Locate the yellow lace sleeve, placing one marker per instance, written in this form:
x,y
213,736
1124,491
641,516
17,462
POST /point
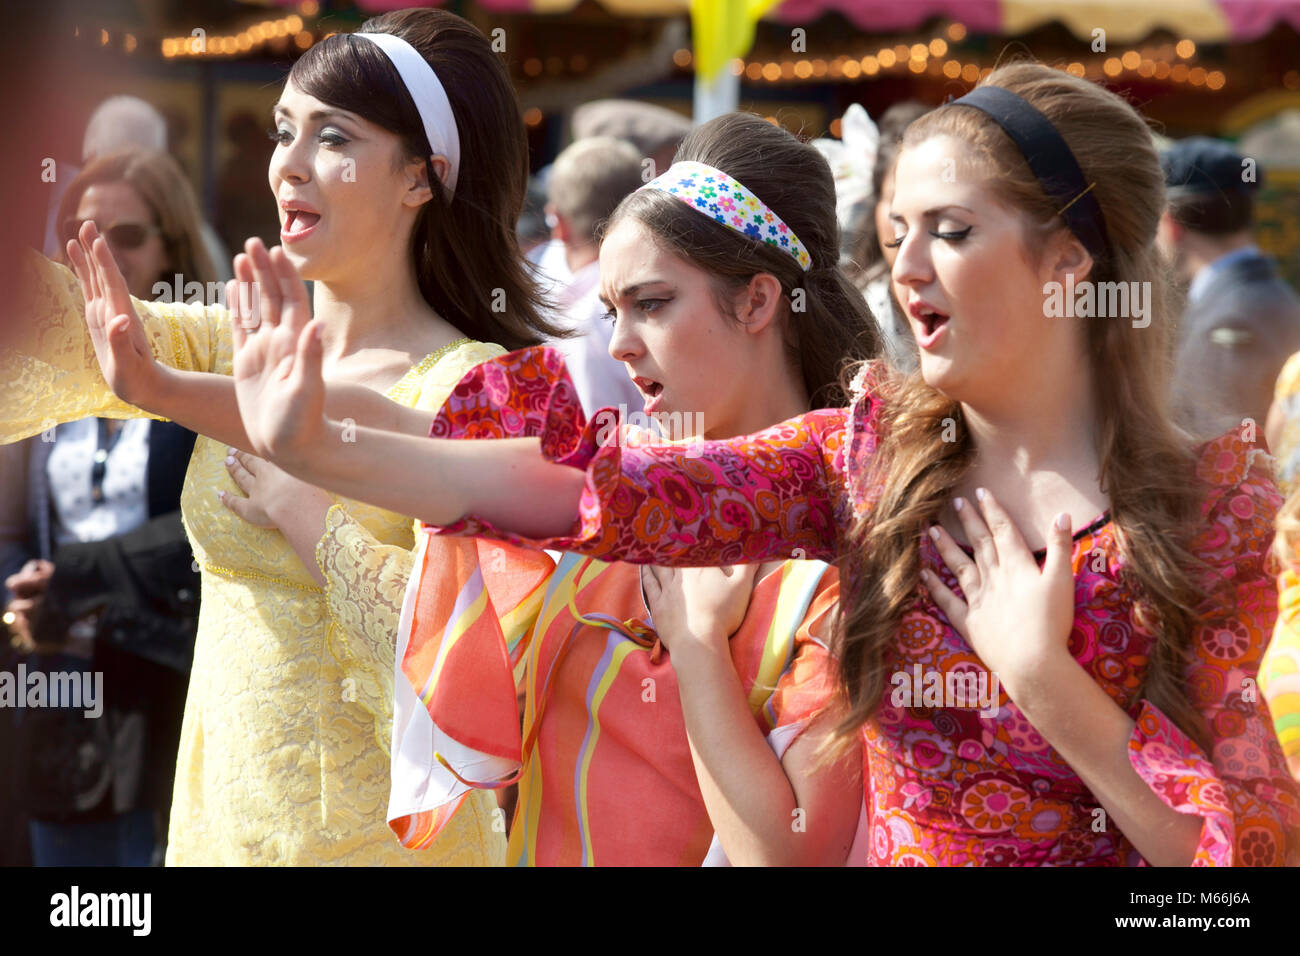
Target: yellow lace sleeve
x,y
365,578
49,374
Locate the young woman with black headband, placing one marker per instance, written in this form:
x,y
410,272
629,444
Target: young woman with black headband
x,y
1124,724
399,170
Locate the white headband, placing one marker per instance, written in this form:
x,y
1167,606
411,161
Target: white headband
x,y
430,98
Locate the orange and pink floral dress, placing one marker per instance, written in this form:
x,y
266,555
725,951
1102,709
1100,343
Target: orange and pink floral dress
x,y
948,785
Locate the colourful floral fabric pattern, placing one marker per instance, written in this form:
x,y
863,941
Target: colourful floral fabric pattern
x,y
603,728
949,785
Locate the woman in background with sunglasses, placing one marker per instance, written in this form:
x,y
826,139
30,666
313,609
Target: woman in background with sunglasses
x,y
399,172
133,470
142,204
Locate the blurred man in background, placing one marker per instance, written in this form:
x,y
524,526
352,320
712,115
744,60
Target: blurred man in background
x,y
654,132
1242,319
587,182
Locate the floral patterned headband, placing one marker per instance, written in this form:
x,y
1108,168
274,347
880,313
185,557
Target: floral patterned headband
x,y
725,200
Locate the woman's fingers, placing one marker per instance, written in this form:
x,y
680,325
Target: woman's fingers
x,y
88,236
249,306
310,357
1009,542
293,292
239,472
650,582
250,463
113,282
953,607
240,506
957,560
80,268
977,533
122,327
117,300
268,286
98,249
1059,566
23,605
237,333
25,587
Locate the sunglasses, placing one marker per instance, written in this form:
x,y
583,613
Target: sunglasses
x,y
120,235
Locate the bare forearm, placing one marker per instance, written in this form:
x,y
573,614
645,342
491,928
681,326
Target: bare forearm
x,y
751,802
200,401
1091,732
1273,426
506,482
348,403
205,403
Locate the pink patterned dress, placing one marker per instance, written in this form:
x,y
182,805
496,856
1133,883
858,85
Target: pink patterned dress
x,y
946,785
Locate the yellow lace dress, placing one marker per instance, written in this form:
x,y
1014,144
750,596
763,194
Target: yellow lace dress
x,y
1286,393
284,753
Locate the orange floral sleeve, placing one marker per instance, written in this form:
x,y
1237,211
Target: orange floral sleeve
x,y
1249,804
779,493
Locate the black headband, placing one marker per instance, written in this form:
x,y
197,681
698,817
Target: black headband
x,y
1049,159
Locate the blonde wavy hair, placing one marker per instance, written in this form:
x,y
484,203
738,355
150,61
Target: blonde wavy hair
x,y
1146,461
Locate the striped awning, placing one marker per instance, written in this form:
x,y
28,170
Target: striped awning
x,y
1204,21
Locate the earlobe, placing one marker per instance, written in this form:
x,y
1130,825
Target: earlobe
x,y
760,302
419,191
417,185
1073,259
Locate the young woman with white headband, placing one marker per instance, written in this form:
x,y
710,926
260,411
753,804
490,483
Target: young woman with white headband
x,y
1123,726
399,171
669,719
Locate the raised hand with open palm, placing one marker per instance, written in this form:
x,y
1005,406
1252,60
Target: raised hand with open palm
x,y
277,367
119,338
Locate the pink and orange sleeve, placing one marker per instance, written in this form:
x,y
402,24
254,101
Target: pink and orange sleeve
x,y
1249,804
779,493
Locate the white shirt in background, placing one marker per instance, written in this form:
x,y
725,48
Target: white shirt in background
x,y
600,380
550,265
125,503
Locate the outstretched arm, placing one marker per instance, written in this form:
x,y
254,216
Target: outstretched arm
x,y
507,483
282,399
200,401
779,493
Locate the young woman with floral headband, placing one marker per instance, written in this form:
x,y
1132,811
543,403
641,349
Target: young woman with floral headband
x,y
669,718
399,169
1126,728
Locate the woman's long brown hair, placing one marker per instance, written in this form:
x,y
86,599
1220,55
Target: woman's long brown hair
x,y
1146,463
